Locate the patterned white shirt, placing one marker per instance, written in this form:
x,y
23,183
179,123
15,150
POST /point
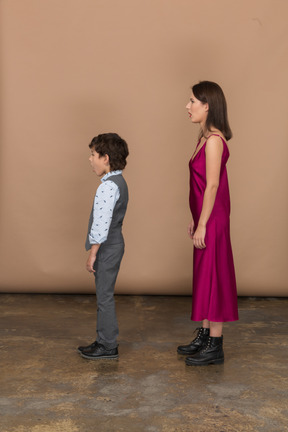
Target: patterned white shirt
x,y
105,199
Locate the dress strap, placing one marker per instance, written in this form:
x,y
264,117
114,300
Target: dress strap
x,y
215,135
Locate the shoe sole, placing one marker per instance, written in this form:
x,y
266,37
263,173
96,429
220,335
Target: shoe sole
x,y
218,361
110,357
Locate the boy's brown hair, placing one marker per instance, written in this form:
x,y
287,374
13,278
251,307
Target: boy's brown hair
x,y
112,145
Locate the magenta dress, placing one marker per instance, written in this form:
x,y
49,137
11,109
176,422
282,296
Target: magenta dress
x,y
214,283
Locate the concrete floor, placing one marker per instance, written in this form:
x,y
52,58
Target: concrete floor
x,y
46,386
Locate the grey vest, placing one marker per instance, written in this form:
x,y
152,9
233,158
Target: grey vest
x,y
115,231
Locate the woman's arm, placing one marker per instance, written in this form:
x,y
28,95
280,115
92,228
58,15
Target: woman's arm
x,y
191,229
213,152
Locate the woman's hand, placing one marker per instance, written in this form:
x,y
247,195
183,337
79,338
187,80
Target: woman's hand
x,y
199,237
191,229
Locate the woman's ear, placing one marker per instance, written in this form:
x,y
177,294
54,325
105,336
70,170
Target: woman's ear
x,y
206,107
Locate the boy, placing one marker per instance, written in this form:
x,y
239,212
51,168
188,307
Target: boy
x,y
105,240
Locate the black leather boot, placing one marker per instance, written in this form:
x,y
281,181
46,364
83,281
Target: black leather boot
x,y
211,353
196,344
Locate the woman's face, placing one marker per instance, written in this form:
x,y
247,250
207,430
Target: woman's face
x,y
197,110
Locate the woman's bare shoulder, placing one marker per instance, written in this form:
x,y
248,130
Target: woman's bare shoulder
x,y
214,143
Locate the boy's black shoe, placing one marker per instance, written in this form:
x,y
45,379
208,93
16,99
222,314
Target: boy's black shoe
x,y
99,352
212,353
80,349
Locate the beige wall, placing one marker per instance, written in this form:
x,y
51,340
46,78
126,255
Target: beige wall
x,y
72,69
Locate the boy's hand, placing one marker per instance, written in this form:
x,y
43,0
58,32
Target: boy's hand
x,y
90,264
92,258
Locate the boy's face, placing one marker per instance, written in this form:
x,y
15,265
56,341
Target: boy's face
x,y
99,164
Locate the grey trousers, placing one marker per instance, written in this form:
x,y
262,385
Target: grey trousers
x,y
106,268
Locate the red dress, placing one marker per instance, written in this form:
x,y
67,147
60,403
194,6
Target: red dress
x,y
214,283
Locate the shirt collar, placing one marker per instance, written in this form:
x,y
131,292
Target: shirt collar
x,y
111,173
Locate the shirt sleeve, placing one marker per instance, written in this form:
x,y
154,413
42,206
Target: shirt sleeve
x,y
104,202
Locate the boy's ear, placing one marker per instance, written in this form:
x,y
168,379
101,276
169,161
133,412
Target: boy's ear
x,y
106,159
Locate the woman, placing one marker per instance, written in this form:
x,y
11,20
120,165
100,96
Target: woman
x,y
214,283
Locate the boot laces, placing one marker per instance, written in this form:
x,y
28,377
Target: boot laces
x,y
208,345
200,331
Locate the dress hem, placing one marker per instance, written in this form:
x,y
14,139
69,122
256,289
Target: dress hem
x,y
216,320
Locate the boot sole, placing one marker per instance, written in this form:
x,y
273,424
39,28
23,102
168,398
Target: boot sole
x,y
217,361
187,353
